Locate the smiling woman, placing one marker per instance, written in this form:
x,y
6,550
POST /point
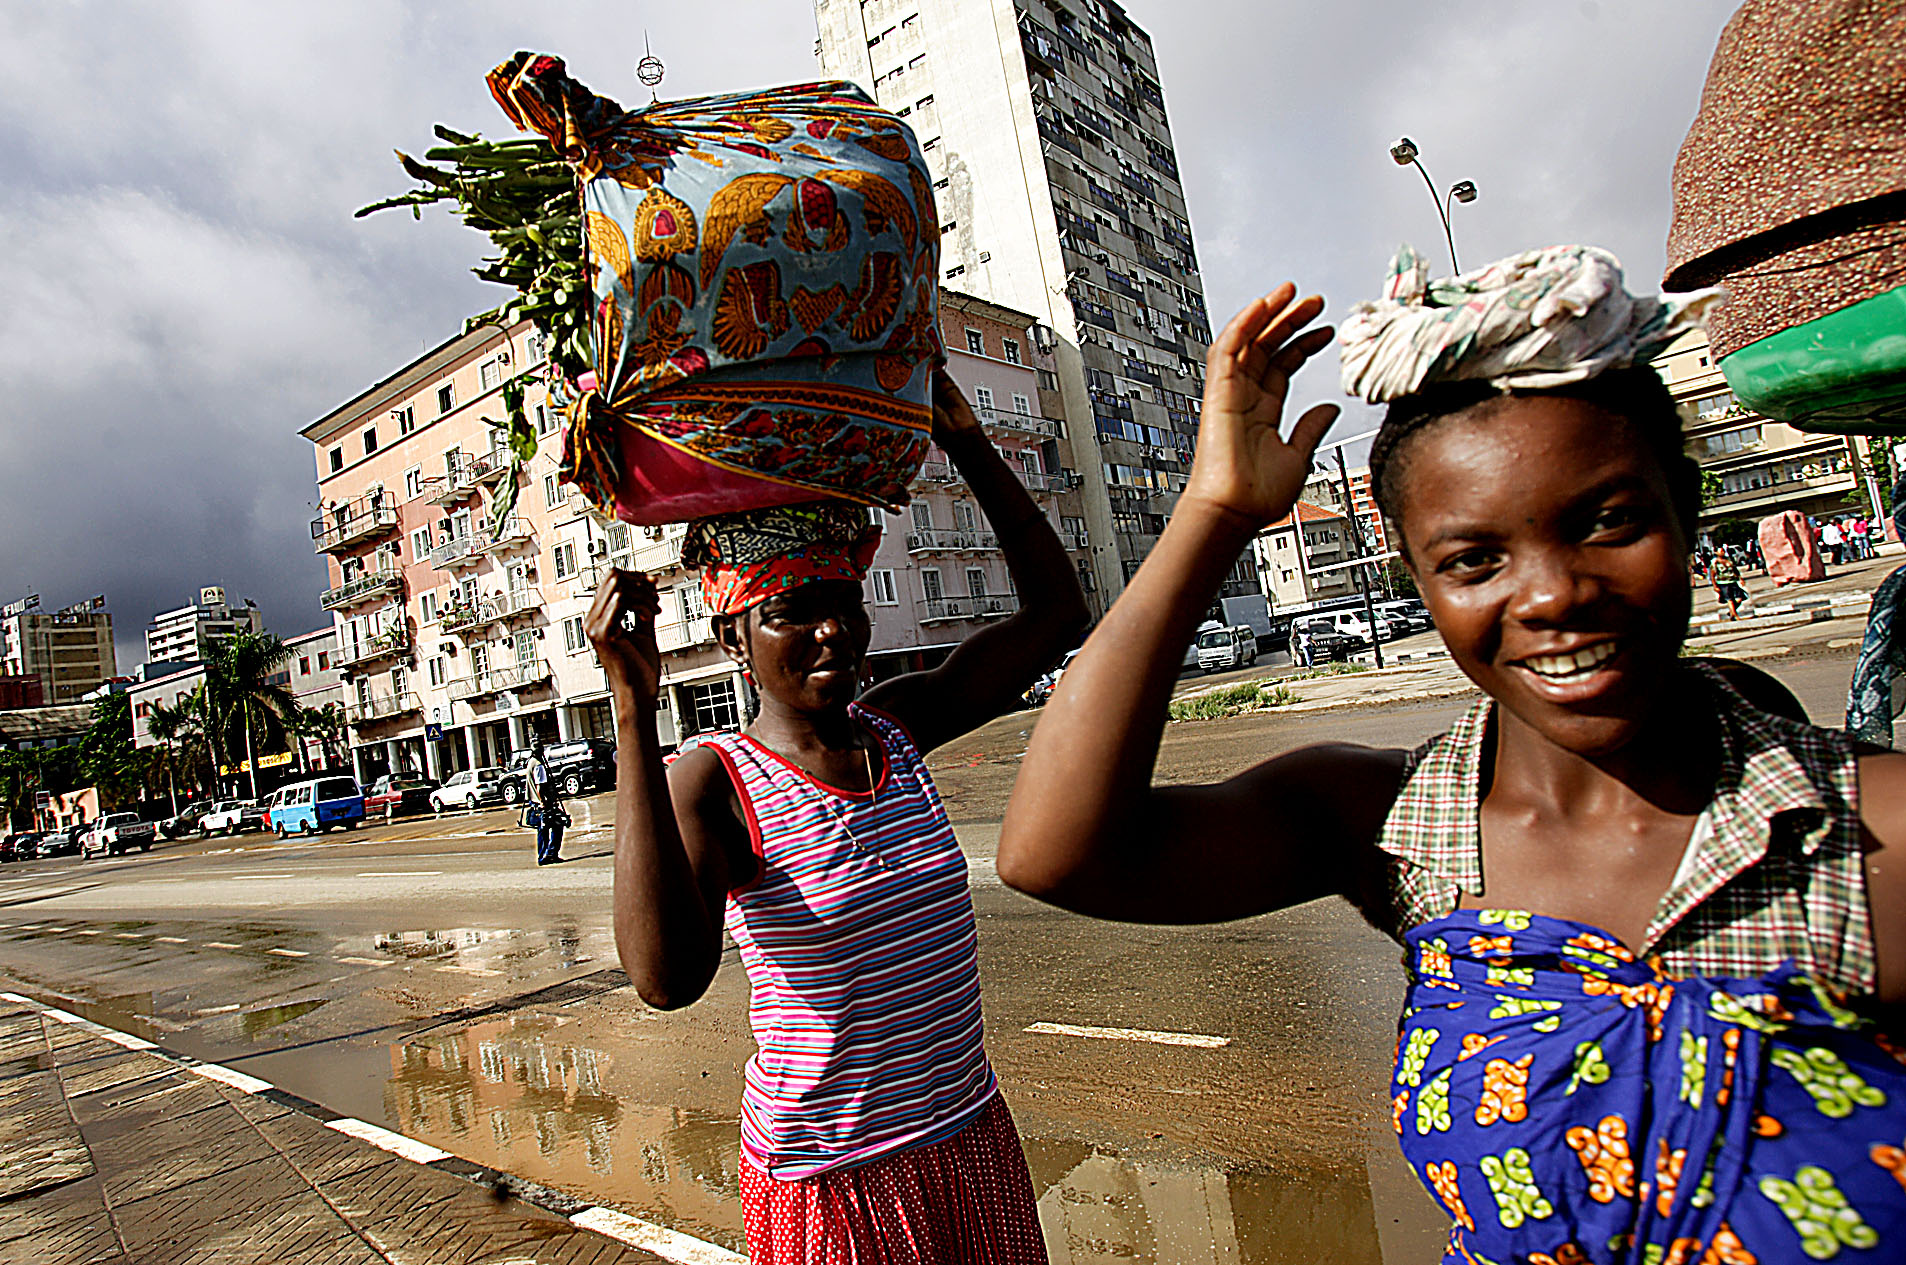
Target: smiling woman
x,y
1645,921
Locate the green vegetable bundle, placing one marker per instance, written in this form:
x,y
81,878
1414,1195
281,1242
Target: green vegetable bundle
x,y
524,196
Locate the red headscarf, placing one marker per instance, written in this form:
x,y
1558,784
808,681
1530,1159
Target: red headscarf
x,y
747,558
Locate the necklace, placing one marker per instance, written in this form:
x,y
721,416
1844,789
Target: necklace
x,y
873,794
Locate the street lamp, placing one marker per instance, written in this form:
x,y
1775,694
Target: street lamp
x,y
1404,154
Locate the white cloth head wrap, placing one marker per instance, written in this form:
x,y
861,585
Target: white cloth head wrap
x,y
1540,319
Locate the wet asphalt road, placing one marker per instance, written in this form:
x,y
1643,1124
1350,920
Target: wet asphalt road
x,y
429,975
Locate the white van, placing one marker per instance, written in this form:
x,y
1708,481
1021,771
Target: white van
x,y
1351,623
1220,649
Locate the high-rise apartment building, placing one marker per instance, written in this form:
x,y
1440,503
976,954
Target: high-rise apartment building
x,y
70,651
193,634
1043,122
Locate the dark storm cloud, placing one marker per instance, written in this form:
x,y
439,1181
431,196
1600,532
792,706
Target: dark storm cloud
x,y
184,286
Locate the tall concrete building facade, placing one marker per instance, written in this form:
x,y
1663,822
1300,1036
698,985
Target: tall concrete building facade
x,y
1044,124
69,651
193,634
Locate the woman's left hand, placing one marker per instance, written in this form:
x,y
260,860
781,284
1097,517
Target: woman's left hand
x,y
952,415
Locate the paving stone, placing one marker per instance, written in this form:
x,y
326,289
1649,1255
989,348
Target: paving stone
x,y
121,1068
393,1188
172,1223
65,1225
460,1233
126,1107
169,1153
322,1155
38,1144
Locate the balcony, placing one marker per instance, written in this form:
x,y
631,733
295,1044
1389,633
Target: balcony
x,y
457,619
1071,540
514,532
1018,423
1042,483
463,479
362,589
350,523
941,540
460,551
685,634
514,676
939,472
368,711
388,644
941,610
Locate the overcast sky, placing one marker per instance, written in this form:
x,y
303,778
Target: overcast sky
x,y
185,287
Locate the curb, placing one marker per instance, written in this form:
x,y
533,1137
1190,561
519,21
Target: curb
x,y
671,1245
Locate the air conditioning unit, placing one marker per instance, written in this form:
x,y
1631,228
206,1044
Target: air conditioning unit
x,y
598,548
653,533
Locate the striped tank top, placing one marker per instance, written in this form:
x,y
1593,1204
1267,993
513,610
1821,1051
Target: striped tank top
x,y
861,952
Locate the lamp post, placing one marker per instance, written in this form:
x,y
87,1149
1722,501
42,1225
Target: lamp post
x,y
1404,153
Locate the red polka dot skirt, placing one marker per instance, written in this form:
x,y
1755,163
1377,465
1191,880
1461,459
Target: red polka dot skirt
x,y
966,1199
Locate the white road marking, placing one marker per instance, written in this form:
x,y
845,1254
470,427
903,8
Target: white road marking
x,y
366,961
288,953
237,1080
219,1010
470,970
395,1143
129,935
219,944
1130,1034
402,874
671,1245
85,933
170,939
237,876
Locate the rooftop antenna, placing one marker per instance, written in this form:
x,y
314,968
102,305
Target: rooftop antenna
x,y
650,69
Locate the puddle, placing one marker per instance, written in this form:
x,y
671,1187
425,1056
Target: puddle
x,y
413,945
524,1095
265,1018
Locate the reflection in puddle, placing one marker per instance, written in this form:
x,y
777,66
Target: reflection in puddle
x,y
518,1095
524,1096
266,1017
430,944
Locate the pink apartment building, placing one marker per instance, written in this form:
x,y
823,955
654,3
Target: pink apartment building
x,y
458,642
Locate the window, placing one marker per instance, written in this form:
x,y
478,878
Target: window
x,y
545,420
370,440
406,419
975,582
552,494
884,594
618,534
565,559
420,544
922,516
446,397
713,706
413,482
1048,380
955,271
436,670
1022,405
964,519
975,342
397,682
324,660
304,666
1714,405
427,607
1012,350
983,397
931,142
535,343
573,639
948,227
930,583
917,62
337,460
490,373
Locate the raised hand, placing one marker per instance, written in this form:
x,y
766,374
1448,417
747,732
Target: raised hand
x,y
621,626
1244,466
952,415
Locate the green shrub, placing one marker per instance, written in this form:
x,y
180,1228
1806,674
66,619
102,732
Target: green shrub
x,y
1245,696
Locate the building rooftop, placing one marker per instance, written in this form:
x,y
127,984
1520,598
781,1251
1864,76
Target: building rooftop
x,y
31,726
1308,513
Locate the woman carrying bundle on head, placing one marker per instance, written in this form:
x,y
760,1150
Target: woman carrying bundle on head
x,y
872,1127
1648,926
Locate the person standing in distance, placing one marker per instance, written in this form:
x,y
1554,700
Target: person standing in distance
x,y
549,813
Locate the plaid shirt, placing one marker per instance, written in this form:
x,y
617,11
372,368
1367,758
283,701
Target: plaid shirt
x,y
1780,876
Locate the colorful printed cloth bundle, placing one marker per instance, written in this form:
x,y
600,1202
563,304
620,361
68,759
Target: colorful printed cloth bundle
x,y
747,558
1567,1104
1543,318
765,272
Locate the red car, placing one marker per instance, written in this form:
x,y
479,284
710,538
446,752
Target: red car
x,y
398,796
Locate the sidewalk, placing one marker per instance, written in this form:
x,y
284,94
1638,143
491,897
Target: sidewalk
x,y
113,1151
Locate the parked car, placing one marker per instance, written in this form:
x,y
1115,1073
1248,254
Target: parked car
x,y
1220,649
579,767
118,833
472,788
1325,641
10,846
315,806
1406,615
62,842
29,845
1351,622
186,821
398,796
229,816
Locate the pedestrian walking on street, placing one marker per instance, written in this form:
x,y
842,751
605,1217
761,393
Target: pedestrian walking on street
x,y
550,817
1641,915
1833,540
873,1129
1725,575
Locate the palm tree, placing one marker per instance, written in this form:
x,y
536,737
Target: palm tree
x,y
326,725
242,693
180,731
